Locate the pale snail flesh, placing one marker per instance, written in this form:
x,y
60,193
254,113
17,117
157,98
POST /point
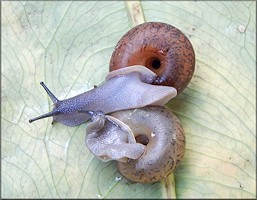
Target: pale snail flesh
x,y
110,139
123,89
160,142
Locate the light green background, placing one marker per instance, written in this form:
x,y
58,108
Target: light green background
x,y
68,46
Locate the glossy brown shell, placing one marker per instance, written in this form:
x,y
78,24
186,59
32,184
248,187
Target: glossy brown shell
x,y
160,47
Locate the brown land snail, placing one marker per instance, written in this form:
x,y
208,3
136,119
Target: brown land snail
x,y
128,121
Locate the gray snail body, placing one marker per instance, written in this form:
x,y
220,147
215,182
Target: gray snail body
x,y
123,89
160,142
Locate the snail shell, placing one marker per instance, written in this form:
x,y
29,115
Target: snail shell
x,y
160,47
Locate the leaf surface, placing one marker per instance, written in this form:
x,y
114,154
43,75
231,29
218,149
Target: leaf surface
x,y
68,45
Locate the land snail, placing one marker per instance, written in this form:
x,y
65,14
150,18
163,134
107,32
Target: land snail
x,y
129,122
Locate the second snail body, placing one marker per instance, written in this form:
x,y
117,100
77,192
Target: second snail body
x,y
156,151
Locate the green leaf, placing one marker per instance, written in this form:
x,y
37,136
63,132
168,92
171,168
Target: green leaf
x,y
68,45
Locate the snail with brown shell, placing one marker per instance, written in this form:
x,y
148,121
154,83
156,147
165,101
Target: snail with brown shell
x,y
128,120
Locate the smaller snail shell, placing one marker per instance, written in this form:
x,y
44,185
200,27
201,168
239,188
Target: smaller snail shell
x,y
165,148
